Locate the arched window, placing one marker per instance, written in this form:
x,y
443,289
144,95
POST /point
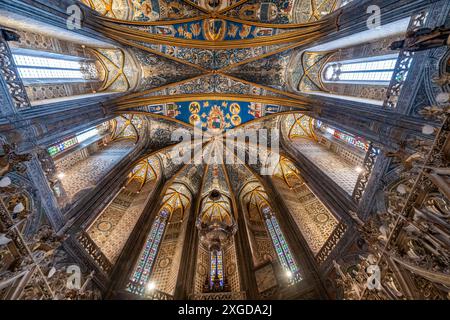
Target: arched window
x,y
39,68
281,246
140,279
372,71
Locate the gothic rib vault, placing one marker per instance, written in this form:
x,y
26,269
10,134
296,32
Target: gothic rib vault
x,y
266,216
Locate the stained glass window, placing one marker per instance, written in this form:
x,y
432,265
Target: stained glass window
x,y
216,267
61,146
142,272
281,246
66,144
352,140
377,71
38,67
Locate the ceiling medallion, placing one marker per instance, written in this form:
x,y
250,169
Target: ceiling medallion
x,y
214,29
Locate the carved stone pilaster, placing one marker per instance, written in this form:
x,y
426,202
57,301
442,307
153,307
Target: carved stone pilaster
x,y
186,273
37,176
364,176
10,75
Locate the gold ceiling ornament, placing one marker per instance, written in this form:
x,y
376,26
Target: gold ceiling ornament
x,y
286,170
319,8
131,96
214,11
98,5
278,26
177,197
267,88
301,126
110,16
262,56
155,23
255,195
144,172
158,116
126,127
234,5
114,71
312,64
216,210
255,121
196,6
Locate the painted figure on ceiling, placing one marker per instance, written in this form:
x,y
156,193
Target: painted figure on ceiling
x,y
255,109
173,110
216,118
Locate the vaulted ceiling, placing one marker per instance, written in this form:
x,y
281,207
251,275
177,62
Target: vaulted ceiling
x,y
216,65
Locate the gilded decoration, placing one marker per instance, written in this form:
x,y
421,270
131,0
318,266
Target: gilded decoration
x,y
142,10
308,78
152,72
119,69
213,115
113,226
126,127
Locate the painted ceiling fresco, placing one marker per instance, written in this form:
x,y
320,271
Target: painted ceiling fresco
x,y
269,71
267,11
212,59
283,11
274,11
217,65
214,115
308,76
211,29
213,83
143,10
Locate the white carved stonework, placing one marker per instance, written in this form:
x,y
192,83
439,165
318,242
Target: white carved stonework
x,y
313,219
82,170
114,225
339,170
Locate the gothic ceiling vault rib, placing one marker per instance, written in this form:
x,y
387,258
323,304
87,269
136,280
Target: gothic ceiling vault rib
x,y
224,149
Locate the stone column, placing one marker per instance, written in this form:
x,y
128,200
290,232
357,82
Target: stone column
x,y
186,273
245,259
